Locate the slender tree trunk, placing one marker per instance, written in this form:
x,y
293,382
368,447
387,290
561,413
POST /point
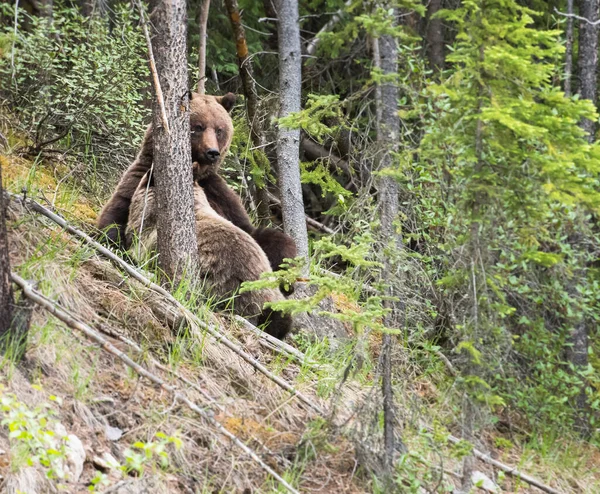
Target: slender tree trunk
x,y
569,50
6,292
385,54
288,140
588,59
202,23
176,228
435,36
251,96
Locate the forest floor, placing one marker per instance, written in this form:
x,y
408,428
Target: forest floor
x,y
123,434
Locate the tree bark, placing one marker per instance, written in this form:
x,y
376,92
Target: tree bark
x,y
435,37
176,228
251,96
588,59
202,23
385,54
288,140
569,50
6,292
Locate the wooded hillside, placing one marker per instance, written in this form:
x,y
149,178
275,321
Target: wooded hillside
x,y
437,167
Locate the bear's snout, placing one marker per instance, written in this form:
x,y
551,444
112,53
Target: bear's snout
x,y
212,155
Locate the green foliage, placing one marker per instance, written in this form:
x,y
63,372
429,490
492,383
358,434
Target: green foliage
x,y
33,436
79,85
150,453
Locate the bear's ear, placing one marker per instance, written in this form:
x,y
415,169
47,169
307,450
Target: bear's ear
x,y
192,95
227,101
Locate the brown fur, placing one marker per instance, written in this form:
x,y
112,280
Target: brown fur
x,y
227,255
211,128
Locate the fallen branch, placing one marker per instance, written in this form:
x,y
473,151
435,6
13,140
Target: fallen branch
x,y
195,323
135,347
93,335
159,94
513,472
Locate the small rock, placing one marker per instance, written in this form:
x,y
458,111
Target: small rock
x,y
105,462
75,457
484,482
112,433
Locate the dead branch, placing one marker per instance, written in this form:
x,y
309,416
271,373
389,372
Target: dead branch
x,y
309,221
578,17
335,18
135,347
251,95
196,325
93,335
314,151
513,472
157,87
202,22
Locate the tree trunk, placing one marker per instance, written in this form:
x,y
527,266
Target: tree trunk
x,y
288,140
435,37
6,293
176,227
588,59
385,54
251,96
569,49
202,23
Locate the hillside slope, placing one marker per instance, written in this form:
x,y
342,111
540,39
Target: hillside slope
x,y
93,423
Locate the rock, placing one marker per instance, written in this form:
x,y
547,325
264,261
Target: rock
x,y
319,326
75,457
112,433
105,462
482,481
75,453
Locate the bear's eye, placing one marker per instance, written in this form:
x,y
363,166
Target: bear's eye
x,y
197,128
219,132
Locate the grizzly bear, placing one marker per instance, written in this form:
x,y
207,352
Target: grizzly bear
x,y
211,133
227,256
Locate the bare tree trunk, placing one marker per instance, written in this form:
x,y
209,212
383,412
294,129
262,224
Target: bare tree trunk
x,y
202,23
288,140
176,228
569,49
435,36
6,292
385,54
251,96
588,59
577,355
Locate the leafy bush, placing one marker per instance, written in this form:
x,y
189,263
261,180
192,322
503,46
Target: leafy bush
x,y
78,84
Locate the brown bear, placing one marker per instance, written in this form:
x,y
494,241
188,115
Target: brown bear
x,y
211,133
227,256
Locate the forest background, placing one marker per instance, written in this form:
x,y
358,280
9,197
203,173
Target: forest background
x,y
485,280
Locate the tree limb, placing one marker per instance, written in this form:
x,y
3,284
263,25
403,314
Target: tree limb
x,y
578,17
93,335
202,22
157,87
195,323
513,472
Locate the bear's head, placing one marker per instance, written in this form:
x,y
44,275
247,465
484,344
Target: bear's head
x,y
211,131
